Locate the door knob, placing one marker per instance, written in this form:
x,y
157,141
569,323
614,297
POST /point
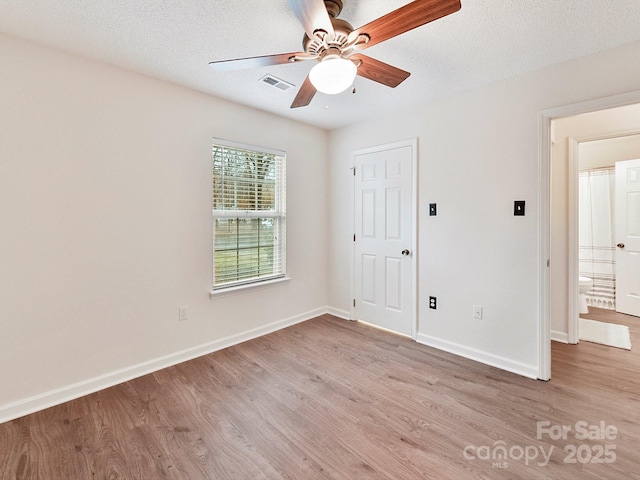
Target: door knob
x,y
406,252
620,245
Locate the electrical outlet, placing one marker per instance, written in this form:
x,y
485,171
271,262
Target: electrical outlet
x,y
477,312
432,303
183,313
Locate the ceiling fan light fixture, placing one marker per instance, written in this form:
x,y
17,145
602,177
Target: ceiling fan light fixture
x,y
333,74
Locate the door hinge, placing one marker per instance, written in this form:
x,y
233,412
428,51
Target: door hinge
x,y
354,171
354,302
354,237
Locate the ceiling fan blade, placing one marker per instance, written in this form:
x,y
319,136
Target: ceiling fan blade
x,y
379,71
305,94
313,16
408,17
253,62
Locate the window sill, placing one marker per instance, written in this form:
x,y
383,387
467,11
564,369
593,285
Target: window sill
x,y
225,292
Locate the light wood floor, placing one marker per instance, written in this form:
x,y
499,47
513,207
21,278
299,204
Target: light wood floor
x,y
611,316
331,399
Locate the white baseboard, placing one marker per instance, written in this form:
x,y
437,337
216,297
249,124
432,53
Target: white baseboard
x,y
519,368
558,336
339,313
57,396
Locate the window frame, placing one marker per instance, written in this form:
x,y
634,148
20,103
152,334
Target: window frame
x,y
279,212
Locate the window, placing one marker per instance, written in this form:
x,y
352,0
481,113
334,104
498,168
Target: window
x,y
248,214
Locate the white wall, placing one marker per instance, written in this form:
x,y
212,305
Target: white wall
x,y
610,122
478,152
605,153
104,210
105,214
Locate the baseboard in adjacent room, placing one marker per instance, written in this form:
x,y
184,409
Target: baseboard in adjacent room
x,y
558,336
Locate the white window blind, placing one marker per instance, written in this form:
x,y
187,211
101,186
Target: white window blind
x,y
248,214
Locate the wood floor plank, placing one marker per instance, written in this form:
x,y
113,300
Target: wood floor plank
x,y
15,449
332,399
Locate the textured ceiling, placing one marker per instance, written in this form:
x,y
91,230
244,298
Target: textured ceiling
x,y
486,41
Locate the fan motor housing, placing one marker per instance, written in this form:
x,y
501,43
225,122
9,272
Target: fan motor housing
x,y
334,7
316,45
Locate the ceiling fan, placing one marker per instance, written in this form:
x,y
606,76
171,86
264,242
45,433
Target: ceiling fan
x,y
335,44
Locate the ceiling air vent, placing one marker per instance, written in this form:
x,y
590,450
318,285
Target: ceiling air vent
x,y
276,82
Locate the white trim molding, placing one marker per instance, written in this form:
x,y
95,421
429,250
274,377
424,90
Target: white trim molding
x,y
60,395
529,371
336,312
544,246
247,287
558,336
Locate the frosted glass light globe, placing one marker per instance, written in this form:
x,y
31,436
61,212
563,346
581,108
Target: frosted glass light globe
x,y
333,75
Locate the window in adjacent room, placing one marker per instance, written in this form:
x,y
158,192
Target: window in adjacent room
x,y
248,215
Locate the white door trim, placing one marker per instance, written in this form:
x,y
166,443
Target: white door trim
x,y
413,143
544,219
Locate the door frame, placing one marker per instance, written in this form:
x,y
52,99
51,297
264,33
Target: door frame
x,y
413,143
545,119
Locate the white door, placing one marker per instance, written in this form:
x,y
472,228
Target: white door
x,y
627,220
384,258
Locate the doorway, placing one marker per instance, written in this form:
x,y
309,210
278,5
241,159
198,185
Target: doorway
x,y
558,283
592,159
591,246
384,224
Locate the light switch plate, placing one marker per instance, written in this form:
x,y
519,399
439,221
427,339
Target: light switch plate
x,y
518,208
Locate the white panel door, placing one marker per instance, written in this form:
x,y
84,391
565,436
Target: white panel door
x,y
627,219
383,248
